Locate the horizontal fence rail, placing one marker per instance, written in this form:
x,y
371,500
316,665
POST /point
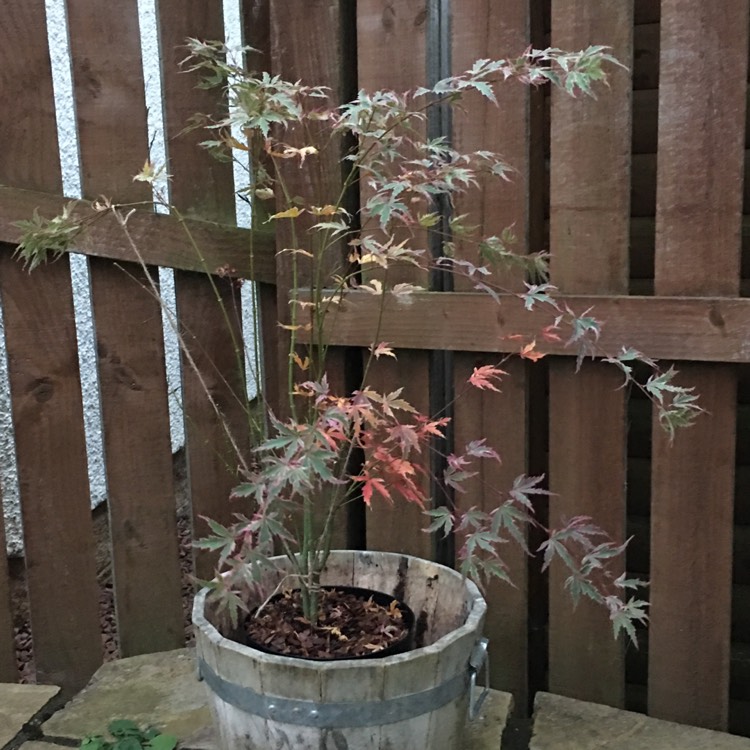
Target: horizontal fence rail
x,y
641,197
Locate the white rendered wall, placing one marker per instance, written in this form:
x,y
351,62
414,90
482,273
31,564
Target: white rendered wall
x,y
69,159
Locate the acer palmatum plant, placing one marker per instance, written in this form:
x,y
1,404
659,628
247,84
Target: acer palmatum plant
x,y
328,449
304,464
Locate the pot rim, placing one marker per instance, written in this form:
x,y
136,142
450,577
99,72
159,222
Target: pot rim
x,y
477,610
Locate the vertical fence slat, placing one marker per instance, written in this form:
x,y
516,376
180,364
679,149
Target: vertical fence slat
x,y
45,385
483,29
399,528
702,105
257,33
392,54
293,24
113,136
589,233
8,668
203,187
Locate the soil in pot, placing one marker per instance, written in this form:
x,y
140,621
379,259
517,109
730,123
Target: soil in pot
x,y
354,624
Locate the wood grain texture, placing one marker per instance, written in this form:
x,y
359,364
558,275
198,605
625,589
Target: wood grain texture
x,y
646,11
202,186
292,26
589,224
140,484
53,480
214,398
392,54
399,529
320,182
113,137
256,24
483,29
216,410
502,420
223,248
8,669
698,220
28,130
110,103
707,329
45,387
444,601
587,476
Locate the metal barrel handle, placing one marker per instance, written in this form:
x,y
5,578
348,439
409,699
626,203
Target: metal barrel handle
x,y
477,660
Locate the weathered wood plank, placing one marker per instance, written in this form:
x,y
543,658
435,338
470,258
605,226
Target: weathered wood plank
x,y
482,30
202,186
257,30
587,476
645,121
140,484
45,387
113,137
646,11
8,668
699,205
710,329
214,398
401,29
643,185
330,64
27,92
589,223
223,248
51,450
399,529
217,413
502,420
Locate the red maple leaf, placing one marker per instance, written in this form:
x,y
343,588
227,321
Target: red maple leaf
x,y
483,376
370,484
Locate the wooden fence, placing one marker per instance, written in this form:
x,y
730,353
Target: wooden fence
x,y
639,195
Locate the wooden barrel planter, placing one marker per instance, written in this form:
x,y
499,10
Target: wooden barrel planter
x,y
418,699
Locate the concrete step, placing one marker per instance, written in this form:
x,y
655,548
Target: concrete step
x,y
20,707
162,690
159,690
567,724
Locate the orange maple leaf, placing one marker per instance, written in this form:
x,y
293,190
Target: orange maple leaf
x,y
530,352
372,483
483,376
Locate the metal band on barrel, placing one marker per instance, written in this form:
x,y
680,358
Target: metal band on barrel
x,y
335,715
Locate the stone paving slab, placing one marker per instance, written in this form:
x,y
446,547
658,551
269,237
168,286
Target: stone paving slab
x,y
567,724
159,690
19,704
42,746
162,690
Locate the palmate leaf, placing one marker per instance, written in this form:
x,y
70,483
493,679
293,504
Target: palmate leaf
x,y
511,519
538,294
624,616
523,486
442,520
